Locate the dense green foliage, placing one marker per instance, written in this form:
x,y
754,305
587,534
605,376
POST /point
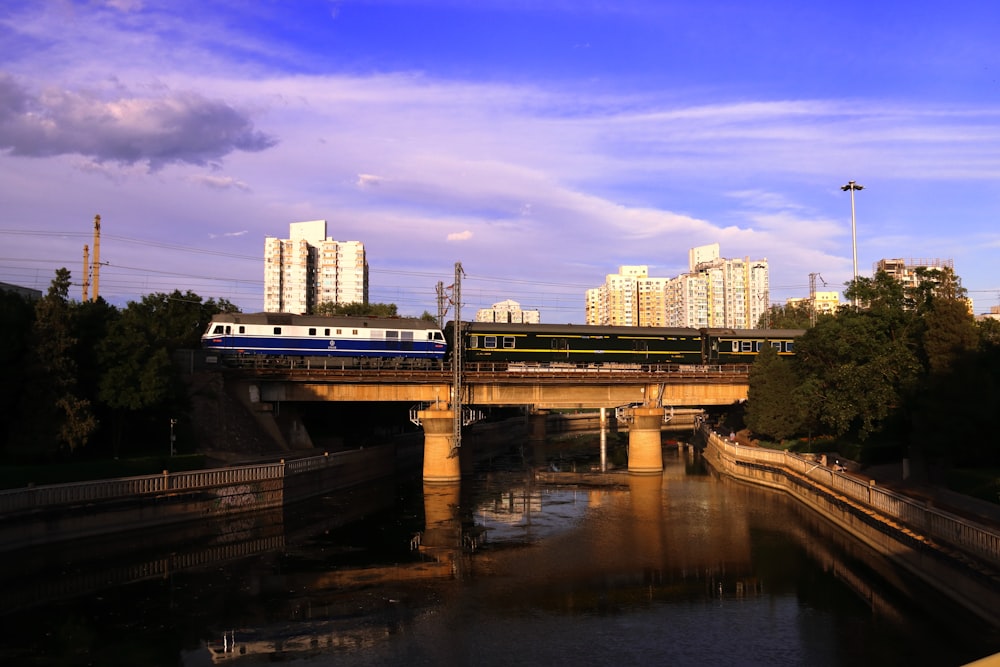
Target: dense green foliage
x,y
82,379
358,309
911,366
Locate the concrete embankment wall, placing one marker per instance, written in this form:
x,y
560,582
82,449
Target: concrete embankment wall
x,y
48,514
957,557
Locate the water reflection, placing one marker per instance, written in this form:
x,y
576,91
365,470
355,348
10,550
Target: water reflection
x,y
681,568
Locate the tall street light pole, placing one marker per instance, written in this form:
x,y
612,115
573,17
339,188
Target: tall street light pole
x,y
852,186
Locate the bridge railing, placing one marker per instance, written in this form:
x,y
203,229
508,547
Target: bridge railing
x,y
505,372
936,523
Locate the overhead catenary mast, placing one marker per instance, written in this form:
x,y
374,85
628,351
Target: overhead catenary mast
x,y
456,357
97,256
86,273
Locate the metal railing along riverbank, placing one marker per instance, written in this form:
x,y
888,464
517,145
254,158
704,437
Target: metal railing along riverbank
x,y
936,523
34,498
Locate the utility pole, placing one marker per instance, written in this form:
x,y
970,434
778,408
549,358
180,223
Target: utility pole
x,y
456,357
97,255
86,273
440,304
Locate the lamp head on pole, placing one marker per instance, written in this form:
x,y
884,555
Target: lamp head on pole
x,y
851,185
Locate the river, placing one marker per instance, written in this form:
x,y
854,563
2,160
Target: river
x,y
680,569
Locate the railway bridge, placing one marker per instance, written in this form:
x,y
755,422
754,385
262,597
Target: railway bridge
x,y
646,391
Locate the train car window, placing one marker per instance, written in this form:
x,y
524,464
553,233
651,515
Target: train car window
x,y
776,344
392,334
789,346
473,341
326,332
277,331
736,346
312,331
508,342
218,329
747,346
406,335
489,341
243,329
354,332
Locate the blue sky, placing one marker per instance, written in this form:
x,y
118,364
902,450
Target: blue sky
x,y
541,144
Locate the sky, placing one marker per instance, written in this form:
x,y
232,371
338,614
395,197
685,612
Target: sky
x,y
541,144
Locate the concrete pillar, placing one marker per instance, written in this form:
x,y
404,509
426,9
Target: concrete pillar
x,y
441,464
645,454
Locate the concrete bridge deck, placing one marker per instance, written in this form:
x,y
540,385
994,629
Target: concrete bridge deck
x,y
498,385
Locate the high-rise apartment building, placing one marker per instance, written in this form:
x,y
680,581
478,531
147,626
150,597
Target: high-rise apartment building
x,y
308,269
508,311
716,292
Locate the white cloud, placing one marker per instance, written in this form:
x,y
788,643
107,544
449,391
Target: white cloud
x,y
460,236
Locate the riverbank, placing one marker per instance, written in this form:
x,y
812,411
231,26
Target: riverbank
x,y
957,555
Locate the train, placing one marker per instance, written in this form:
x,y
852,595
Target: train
x,y
366,341
583,345
276,336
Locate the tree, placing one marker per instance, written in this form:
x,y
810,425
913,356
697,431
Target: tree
x,y
52,416
17,314
771,409
358,309
138,375
856,368
790,316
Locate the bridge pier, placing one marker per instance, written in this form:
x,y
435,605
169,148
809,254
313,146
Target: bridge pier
x,y
441,461
645,454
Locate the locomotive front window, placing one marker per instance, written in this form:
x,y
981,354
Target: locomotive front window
x,y
438,335
508,342
218,329
489,341
277,331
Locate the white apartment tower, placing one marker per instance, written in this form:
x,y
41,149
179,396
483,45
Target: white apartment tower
x,y
716,292
308,269
508,311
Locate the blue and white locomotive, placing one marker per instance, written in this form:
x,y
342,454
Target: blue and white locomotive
x,y
275,335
